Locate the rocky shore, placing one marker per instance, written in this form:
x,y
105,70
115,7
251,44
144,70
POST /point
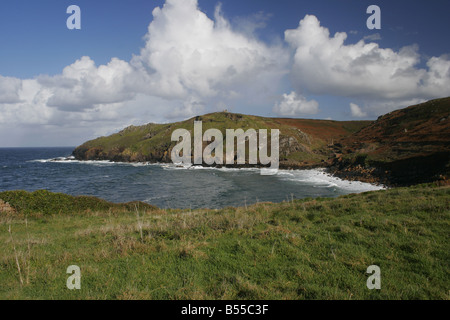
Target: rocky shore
x,y
404,147
405,172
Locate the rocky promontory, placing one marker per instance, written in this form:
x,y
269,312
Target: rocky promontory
x,y
404,147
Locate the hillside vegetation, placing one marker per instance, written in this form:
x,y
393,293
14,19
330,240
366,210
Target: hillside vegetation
x,y
404,147
304,249
303,143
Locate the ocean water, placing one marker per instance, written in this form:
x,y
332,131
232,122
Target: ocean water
x,y
163,185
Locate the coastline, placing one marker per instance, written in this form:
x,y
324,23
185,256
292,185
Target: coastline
x,y
361,176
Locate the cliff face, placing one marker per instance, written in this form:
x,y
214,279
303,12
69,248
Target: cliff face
x,y
404,147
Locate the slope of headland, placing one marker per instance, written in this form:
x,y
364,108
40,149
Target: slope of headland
x,y
303,143
404,147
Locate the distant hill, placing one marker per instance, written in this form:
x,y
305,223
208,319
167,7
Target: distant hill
x,y
303,143
404,147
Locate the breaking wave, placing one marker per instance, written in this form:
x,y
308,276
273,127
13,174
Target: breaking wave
x,y
316,178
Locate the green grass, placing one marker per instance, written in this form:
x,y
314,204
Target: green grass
x,y
140,143
305,249
49,203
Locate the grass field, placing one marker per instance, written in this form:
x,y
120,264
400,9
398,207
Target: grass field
x,y
303,249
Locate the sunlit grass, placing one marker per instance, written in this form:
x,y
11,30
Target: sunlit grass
x,y
301,249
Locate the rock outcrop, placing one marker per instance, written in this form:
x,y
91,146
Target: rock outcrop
x,y
403,147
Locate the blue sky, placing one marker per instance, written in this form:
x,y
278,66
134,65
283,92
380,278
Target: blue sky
x,y
35,39
247,63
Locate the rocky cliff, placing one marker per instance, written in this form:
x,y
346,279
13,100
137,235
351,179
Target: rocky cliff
x,y
404,147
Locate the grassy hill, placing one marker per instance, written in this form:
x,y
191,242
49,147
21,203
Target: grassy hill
x,y
304,249
301,249
404,147
303,143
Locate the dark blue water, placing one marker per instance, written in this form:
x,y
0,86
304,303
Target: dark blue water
x,y
165,186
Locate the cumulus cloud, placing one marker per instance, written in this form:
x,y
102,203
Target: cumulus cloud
x,y
188,54
379,107
187,57
249,25
323,64
294,105
82,85
356,111
189,62
9,89
192,63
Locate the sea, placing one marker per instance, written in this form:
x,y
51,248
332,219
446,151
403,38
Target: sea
x,y
163,185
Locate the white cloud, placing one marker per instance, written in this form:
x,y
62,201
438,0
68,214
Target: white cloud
x,y
9,89
437,79
356,111
82,85
30,108
187,109
380,107
188,54
372,37
192,64
250,24
295,105
325,65
187,57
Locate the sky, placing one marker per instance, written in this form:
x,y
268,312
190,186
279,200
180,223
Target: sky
x,y
134,62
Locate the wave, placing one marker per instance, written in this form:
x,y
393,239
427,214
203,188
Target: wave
x,y
316,178
72,159
319,178
182,166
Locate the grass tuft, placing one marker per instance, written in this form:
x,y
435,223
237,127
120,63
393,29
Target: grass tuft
x,y
300,249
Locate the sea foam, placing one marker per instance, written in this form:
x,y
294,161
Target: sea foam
x,y
316,178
